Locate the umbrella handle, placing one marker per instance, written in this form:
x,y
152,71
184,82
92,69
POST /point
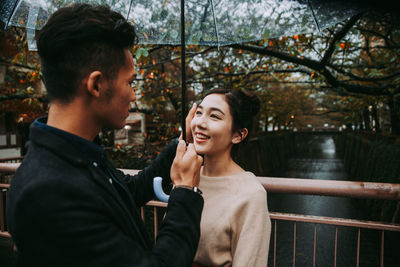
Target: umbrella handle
x,y
158,190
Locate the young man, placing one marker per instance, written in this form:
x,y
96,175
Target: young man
x,y
67,204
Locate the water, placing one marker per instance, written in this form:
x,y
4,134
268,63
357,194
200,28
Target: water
x,y
316,158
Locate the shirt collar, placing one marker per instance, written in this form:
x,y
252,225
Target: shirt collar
x,y
90,150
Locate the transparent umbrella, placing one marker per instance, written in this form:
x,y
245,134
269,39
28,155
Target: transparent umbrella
x,y
206,22
198,22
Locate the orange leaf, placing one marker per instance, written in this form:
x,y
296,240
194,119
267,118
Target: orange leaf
x,y
342,45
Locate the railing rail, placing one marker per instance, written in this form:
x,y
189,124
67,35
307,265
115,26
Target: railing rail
x,y
11,159
289,186
322,187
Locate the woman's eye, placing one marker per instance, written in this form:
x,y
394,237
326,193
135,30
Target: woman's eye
x,y
198,112
215,116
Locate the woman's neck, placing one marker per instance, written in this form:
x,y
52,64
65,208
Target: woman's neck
x,y
219,165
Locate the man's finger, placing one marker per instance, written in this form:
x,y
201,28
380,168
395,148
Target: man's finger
x,y
180,150
190,151
200,159
191,113
188,121
196,178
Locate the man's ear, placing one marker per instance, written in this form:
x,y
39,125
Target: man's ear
x,y
94,83
239,136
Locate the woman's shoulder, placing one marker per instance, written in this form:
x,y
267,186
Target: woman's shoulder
x,y
250,183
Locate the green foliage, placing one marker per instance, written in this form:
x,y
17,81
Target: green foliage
x,y
133,157
142,51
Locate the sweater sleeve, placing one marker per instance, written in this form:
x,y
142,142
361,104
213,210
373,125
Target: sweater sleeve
x,y
251,230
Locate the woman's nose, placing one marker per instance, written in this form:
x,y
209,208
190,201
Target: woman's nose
x,y
201,122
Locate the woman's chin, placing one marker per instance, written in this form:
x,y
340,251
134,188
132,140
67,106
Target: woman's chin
x,y
200,149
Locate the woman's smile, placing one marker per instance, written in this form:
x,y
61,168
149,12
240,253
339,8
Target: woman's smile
x,y
201,137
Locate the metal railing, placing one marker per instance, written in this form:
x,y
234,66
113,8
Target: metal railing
x,y
287,186
11,159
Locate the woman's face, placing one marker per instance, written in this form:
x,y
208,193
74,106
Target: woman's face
x,y
212,126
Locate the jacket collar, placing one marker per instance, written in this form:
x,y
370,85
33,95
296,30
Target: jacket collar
x,y
66,145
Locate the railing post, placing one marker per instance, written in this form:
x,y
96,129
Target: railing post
x,y
2,210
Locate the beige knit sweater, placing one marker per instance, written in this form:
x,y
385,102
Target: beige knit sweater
x,y
235,223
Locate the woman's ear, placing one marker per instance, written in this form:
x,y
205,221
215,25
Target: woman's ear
x,y
94,83
239,136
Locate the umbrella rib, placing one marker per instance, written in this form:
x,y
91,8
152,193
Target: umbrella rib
x,y
129,10
12,13
312,12
215,23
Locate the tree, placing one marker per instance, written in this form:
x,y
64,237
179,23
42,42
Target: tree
x,y
359,57
21,90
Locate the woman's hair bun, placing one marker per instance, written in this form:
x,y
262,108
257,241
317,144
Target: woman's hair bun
x,y
249,103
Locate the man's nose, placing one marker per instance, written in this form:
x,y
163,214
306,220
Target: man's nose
x,y
133,96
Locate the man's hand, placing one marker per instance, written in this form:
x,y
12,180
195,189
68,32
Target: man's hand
x,y
188,120
185,169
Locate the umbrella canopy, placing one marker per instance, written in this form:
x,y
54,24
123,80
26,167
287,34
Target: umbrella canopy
x,y
199,22
207,22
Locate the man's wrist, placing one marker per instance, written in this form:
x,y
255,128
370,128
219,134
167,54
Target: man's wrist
x,y
192,188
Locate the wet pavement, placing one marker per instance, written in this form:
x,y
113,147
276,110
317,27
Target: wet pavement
x,y
316,158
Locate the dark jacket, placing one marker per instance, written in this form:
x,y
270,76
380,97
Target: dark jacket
x,y
63,210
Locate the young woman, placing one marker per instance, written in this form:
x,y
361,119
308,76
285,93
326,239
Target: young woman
x,y
235,223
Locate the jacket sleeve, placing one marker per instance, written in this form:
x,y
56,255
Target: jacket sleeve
x,y
141,185
75,228
251,229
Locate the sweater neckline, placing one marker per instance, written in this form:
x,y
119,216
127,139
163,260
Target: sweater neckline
x,y
224,177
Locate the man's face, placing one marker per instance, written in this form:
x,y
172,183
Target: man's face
x,y
116,100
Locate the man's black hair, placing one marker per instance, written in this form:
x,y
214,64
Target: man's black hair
x,y
80,39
